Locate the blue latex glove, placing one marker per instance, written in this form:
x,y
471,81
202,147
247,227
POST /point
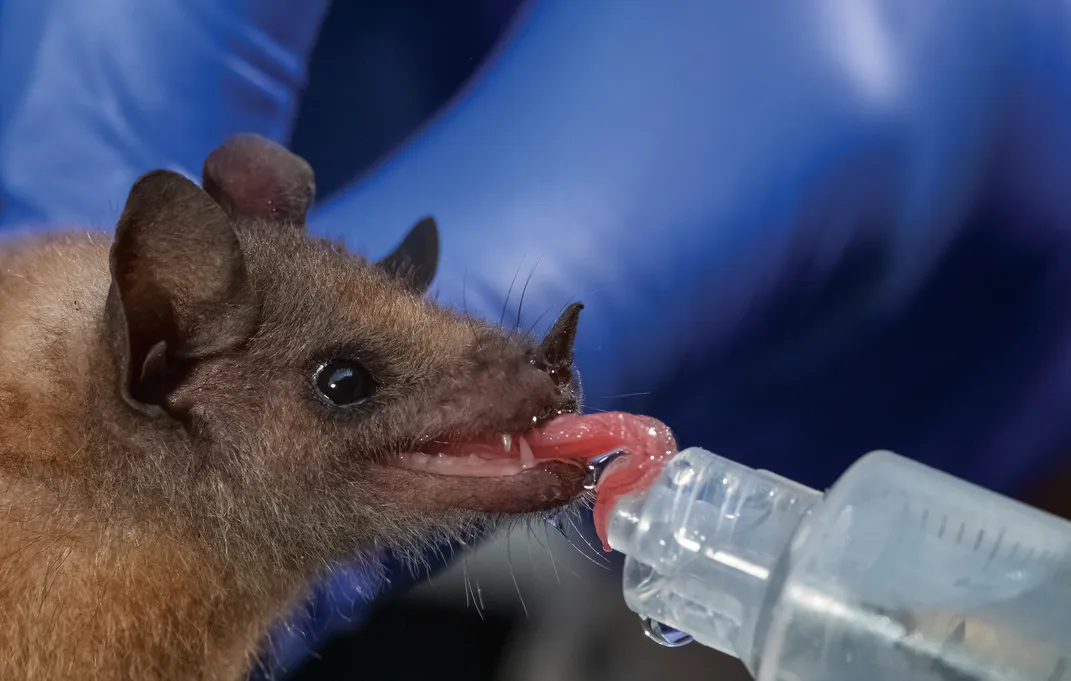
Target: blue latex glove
x,y
92,94
802,230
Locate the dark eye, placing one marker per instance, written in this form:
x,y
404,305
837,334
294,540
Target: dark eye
x,y
343,382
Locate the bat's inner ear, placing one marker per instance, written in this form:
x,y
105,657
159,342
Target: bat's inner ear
x,y
253,177
179,292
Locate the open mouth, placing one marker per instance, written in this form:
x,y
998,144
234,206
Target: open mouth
x,y
498,456
545,467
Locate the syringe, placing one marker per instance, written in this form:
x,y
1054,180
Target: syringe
x,y
898,573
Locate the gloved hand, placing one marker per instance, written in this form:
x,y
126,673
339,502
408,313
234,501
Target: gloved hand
x,y
803,231
96,93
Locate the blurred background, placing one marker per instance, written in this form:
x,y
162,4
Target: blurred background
x,y
381,70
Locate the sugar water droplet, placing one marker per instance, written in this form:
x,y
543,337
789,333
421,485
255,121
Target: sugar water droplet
x,y
557,521
591,479
664,635
597,466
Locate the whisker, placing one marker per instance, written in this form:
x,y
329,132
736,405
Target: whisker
x,y
614,397
567,304
595,558
513,576
505,304
465,582
524,290
538,319
550,552
531,558
479,594
585,555
443,560
465,306
468,586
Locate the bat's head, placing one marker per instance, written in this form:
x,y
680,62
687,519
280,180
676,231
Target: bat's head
x,y
304,399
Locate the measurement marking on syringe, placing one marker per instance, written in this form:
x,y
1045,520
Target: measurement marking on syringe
x,y
978,541
941,532
962,529
996,546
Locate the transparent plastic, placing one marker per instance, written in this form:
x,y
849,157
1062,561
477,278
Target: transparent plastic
x,y
898,573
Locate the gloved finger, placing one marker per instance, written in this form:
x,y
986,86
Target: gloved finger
x,y
94,94
735,190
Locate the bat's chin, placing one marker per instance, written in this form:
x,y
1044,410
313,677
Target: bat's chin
x,y
543,486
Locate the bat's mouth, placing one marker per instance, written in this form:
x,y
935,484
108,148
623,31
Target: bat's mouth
x,y
511,472
495,456
539,469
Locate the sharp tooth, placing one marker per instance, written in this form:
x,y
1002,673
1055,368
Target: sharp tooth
x,y
507,441
527,457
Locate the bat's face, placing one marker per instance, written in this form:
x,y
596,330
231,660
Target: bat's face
x,y
320,404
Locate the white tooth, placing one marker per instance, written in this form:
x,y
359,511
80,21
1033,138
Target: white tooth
x,y
527,457
507,441
471,465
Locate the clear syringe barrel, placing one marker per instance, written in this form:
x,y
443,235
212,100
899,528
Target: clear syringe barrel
x,y
898,573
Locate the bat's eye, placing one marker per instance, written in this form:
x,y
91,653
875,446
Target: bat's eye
x,y
344,382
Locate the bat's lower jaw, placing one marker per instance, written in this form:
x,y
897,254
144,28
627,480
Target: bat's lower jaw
x,y
546,486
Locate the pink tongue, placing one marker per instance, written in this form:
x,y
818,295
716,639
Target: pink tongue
x,y
646,443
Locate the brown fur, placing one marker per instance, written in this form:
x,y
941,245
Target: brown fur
x,y
169,480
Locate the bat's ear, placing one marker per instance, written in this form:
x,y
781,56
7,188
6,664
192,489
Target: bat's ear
x,y
252,177
416,260
179,288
